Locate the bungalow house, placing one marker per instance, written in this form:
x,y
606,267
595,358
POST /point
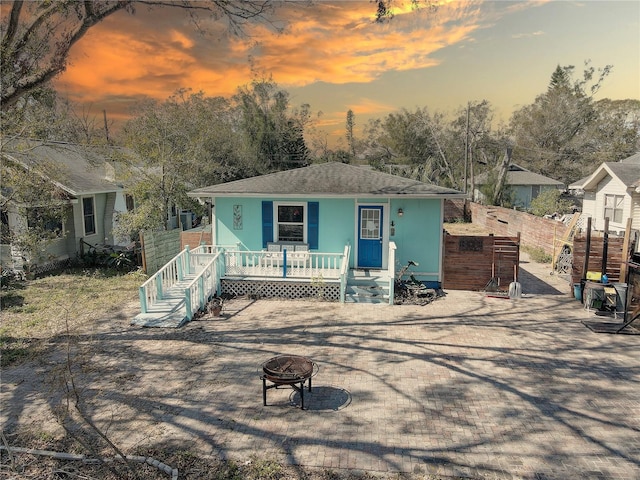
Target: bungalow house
x,y
612,191
374,221
85,184
525,185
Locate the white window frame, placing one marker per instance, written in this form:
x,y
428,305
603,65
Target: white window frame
x,y
618,206
276,223
93,214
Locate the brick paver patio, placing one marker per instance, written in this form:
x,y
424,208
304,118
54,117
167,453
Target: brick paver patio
x,y
467,386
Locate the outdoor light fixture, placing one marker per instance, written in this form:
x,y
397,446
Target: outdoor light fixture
x,y
400,212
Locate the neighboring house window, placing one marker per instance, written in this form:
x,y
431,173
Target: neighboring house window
x,y
535,191
290,222
88,212
613,207
40,218
128,199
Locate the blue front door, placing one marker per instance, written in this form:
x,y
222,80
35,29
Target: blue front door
x,y
370,237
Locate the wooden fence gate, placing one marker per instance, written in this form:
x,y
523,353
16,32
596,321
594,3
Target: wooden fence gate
x,y
478,262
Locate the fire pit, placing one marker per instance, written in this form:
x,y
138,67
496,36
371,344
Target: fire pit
x,y
287,370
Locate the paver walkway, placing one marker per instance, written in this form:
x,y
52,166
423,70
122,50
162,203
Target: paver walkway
x,y
466,386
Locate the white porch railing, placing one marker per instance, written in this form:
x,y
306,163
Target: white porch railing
x,y
168,276
206,282
245,263
202,263
204,267
284,265
344,272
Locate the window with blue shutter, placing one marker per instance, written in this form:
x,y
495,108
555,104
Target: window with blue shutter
x,y
267,223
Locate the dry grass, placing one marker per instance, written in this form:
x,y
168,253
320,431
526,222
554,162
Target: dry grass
x,y
37,310
463,228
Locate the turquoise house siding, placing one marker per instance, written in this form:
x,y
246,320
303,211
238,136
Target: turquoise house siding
x,y
417,233
250,236
336,223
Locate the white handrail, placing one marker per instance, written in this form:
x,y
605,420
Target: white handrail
x,y
173,272
391,268
197,293
344,272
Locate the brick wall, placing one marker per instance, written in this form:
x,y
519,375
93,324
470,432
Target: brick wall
x,y
456,210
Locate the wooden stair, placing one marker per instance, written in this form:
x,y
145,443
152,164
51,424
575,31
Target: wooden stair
x,y
170,312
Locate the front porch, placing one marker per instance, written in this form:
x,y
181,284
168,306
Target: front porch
x,y
185,285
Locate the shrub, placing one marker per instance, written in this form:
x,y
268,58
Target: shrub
x,y
550,202
538,255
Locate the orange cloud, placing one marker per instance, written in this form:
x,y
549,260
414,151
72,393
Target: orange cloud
x,y
340,44
154,53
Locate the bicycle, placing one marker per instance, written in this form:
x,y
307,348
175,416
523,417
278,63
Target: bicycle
x,y
411,290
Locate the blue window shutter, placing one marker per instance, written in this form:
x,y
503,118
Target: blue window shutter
x,y
312,224
267,223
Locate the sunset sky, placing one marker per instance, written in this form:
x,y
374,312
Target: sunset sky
x,y
333,57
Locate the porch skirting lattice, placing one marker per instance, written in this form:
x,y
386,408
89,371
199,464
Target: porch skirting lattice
x,y
280,289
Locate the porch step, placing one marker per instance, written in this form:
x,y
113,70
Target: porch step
x,y
170,312
367,287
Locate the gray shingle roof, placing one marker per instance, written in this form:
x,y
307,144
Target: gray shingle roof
x,y
626,171
77,169
327,179
517,175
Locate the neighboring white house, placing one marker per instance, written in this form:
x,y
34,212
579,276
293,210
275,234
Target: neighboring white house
x,y
612,191
85,178
525,184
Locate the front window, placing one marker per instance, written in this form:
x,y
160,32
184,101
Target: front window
x,y
290,221
613,207
88,212
370,224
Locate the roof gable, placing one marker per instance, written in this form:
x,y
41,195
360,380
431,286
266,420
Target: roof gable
x,y
327,179
626,171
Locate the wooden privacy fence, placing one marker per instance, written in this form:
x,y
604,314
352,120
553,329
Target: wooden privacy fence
x,y
616,255
471,262
599,252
